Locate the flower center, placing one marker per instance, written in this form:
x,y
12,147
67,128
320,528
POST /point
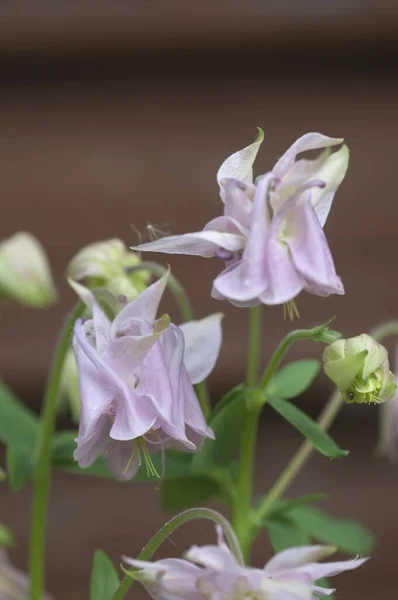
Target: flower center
x,y
143,455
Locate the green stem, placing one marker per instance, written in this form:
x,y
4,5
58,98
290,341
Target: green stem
x,y
244,482
299,459
326,418
42,470
187,314
167,530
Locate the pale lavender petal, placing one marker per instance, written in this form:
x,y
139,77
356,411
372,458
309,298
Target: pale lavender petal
x,y
93,442
295,557
240,164
321,591
169,579
287,589
193,414
144,307
248,278
238,203
122,459
202,346
199,243
226,224
284,280
320,570
134,417
219,558
309,249
309,141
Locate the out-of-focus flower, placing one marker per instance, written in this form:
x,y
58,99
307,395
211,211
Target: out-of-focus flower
x,y
213,572
271,233
14,584
105,264
25,273
359,368
388,423
136,375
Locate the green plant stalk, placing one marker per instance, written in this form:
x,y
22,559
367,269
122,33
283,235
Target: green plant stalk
x,y
42,469
326,418
244,481
169,528
187,314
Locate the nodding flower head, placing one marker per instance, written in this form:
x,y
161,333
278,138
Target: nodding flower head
x,y
136,376
270,235
359,368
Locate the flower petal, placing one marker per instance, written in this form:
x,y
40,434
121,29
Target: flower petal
x,y
202,346
240,164
199,243
292,558
248,278
320,570
376,353
309,249
309,141
144,307
219,558
238,204
284,280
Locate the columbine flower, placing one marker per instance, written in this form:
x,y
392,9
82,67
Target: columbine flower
x,y
359,368
25,273
105,264
270,235
14,584
213,572
388,419
136,375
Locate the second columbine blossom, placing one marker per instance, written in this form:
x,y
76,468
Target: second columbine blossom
x,y
213,572
136,382
271,233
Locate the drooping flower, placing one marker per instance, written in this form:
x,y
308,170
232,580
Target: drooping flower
x,y
105,264
359,368
14,584
271,233
25,273
213,572
388,423
136,375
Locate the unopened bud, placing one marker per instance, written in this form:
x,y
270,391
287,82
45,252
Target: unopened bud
x,y
359,368
25,273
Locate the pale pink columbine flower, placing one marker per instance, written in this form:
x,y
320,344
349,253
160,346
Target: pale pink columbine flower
x,y
388,423
14,584
213,572
136,375
271,233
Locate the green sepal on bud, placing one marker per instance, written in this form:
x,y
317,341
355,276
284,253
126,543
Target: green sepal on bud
x,y
105,265
359,368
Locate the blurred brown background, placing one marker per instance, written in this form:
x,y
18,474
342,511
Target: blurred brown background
x,y
117,114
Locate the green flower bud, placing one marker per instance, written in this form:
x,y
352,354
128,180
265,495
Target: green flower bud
x,y
25,273
105,264
359,368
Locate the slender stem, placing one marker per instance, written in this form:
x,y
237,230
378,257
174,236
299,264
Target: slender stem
x,y
42,470
244,482
169,528
299,459
384,330
187,314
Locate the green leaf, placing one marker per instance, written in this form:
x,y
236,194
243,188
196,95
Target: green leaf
x,y
309,428
348,535
227,427
285,506
294,378
177,494
226,399
19,467
286,533
6,537
18,425
104,577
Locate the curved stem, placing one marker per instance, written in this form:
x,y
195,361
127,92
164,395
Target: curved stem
x,y
167,530
186,311
42,470
384,330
